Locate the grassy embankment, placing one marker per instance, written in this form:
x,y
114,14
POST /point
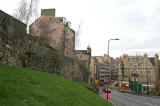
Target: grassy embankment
x,y
25,87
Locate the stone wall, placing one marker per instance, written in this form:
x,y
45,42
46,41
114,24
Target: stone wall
x,y
19,49
10,25
32,52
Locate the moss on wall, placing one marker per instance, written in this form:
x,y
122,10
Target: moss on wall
x,y
32,52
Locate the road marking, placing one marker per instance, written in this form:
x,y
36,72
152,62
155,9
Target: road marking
x,y
150,104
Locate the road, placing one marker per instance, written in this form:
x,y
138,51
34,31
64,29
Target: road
x,y
125,99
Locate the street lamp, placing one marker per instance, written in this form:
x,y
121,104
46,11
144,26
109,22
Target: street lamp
x,y
108,59
108,44
147,69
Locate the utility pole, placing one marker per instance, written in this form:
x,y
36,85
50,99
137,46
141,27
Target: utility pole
x,y
108,61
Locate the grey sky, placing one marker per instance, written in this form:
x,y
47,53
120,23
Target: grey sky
x,y
134,22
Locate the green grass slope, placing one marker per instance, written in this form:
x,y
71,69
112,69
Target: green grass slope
x,y
25,87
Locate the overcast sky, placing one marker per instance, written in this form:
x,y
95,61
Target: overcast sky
x,y
134,22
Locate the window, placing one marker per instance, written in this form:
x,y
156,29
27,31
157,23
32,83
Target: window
x,y
149,72
134,66
125,79
140,79
129,60
126,72
138,60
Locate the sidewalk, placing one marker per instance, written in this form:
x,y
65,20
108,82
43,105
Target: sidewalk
x,y
138,94
127,99
115,101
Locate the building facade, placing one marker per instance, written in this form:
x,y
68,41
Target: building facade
x,y
140,69
101,69
110,65
115,69
84,56
57,31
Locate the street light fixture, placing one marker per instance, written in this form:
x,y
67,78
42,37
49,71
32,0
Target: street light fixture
x,y
108,58
108,44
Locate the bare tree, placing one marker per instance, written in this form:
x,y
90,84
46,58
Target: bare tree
x,y
21,11
32,10
27,9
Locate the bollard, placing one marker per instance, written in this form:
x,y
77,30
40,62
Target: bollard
x,y
106,96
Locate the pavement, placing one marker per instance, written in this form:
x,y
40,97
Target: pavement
x,y
125,99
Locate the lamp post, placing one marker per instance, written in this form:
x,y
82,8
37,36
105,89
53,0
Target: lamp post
x,y
108,59
108,43
147,69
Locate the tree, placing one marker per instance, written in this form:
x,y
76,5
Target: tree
x,y
32,10
21,11
27,9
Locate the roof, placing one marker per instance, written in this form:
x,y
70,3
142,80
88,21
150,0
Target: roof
x,y
152,60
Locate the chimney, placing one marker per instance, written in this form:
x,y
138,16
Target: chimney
x,y
156,58
125,57
48,12
145,55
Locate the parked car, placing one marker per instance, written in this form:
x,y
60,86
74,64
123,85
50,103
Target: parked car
x,y
100,84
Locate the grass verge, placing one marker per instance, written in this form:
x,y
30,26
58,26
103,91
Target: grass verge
x,y
24,87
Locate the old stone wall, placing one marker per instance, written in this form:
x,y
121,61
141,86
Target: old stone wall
x,y
32,52
36,52
11,26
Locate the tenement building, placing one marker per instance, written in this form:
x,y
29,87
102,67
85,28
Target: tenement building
x,y
141,69
110,64
57,31
101,68
84,56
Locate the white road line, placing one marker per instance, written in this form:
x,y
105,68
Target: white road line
x,y
150,104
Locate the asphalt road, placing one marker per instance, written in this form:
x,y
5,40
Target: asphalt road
x,y
125,99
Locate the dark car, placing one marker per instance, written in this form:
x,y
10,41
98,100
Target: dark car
x,y
100,84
